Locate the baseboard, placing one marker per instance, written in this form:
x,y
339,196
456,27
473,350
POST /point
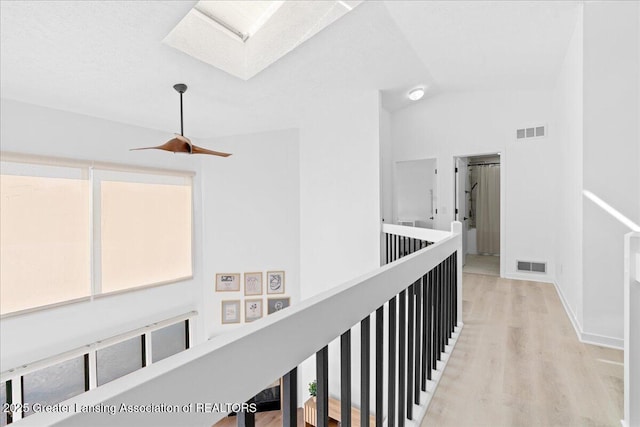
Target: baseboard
x,y
603,341
584,337
533,277
570,314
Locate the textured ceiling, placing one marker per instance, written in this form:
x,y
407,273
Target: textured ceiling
x,y
106,59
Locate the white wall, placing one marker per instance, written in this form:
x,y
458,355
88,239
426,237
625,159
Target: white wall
x,y
470,123
567,126
251,216
339,191
610,153
339,206
36,130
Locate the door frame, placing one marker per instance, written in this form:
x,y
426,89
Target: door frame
x,y
456,215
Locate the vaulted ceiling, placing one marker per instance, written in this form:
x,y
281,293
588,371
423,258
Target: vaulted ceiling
x,y
107,59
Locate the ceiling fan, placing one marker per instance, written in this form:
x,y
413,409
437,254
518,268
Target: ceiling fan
x,y
182,144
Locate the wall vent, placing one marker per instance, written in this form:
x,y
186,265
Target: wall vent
x,y
531,132
530,266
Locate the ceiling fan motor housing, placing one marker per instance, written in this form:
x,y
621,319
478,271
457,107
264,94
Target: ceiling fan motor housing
x,y
180,87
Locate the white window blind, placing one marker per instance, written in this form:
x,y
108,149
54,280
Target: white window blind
x,y
45,248
69,232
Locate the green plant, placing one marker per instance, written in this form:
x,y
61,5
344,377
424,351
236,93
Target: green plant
x,y
313,388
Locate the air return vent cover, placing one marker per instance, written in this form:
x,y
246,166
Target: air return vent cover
x,y
533,267
531,132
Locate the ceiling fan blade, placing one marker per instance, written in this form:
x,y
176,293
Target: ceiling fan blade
x,y
200,150
175,145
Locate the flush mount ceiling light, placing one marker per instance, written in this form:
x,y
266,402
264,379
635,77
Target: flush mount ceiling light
x,y
416,94
182,144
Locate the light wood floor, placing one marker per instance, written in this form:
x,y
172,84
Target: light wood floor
x,y
518,362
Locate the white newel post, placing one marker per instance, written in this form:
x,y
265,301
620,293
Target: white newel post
x,y
632,330
456,228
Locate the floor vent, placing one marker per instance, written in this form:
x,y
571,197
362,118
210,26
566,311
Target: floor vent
x,y
532,132
534,267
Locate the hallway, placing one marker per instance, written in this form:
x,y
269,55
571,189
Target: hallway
x,y
518,362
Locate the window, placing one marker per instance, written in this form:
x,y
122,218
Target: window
x,y
55,383
119,359
44,240
4,400
70,231
169,341
145,229
52,381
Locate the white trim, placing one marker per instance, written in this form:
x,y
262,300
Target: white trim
x,y
530,277
584,337
93,369
45,307
148,356
428,234
631,328
570,314
16,396
602,340
141,287
8,156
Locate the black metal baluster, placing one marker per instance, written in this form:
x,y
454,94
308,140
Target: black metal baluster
x,y
393,237
426,333
386,248
345,379
379,362
452,301
402,313
410,320
322,398
365,371
445,302
247,418
434,301
442,312
395,247
418,342
290,396
391,403
455,288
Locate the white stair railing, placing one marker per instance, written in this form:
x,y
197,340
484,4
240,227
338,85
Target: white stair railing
x,y
632,330
195,387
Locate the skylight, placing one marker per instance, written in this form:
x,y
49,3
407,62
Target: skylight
x,y
243,38
242,18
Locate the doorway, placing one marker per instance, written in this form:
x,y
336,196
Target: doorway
x,y
414,193
478,207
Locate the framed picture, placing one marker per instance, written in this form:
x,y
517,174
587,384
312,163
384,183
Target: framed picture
x,y
275,282
253,283
228,282
277,304
252,309
231,311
